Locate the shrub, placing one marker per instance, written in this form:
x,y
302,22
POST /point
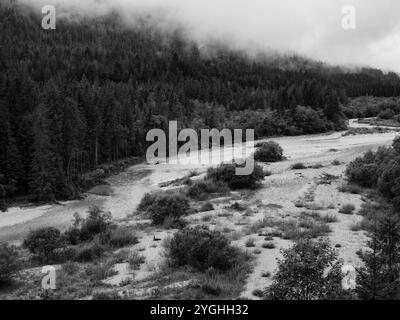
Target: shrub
x,y
72,236
396,143
8,263
106,295
45,243
208,206
268,245
347,208
70,267
227,173
3,205
135,260
96,222
89,252
147,200
238,207
365,175
350,188
317,166
329,219
258,293
172,222
201,190
99,271
168,205
386,114
201,249
119,237
268,152
250,243
266,274
308,271
365,171
211,288
298,166
389,180
336,163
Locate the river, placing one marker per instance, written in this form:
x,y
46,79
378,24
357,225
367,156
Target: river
x,y
130,186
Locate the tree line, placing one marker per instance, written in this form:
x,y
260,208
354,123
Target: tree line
x,y
88,92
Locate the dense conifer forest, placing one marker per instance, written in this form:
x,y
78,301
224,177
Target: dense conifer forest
x,y
88,92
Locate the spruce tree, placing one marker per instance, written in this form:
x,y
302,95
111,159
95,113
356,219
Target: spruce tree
x,y
380,277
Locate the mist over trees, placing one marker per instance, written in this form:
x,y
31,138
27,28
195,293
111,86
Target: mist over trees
x,y
88,92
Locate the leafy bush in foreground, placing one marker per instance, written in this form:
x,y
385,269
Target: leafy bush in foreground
x,y
8,263
308,271
227,173
268,152
201,249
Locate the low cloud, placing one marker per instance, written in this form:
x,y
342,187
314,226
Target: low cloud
x,y
309,27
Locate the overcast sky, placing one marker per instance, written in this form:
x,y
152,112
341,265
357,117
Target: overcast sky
x,y
309,27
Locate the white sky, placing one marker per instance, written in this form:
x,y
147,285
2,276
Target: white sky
x,y
309,27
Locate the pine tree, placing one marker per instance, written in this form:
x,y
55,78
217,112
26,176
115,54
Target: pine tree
x,y
43,177
380,277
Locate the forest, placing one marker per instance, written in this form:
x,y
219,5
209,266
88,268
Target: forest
x,y
88,92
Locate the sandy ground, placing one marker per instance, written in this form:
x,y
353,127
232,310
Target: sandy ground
x,y
277,197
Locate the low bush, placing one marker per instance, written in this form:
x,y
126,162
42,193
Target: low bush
x,y
70,267
208,206
347,208
350,188
201,249
365,175
238,206
99,271
258,293
172,222
298,166
250,243
365,171
147,200
386,114
168,205
96,223
8,263
89,252
106,295
45,244
135,260
227,173
269,245
201,190
317,166
118,237
268,152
